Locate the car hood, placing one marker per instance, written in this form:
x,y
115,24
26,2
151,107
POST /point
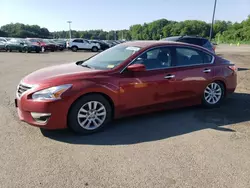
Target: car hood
x,y
57,73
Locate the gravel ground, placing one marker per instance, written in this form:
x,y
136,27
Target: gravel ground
x,y
191,147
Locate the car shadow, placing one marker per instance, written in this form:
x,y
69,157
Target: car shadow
x,y
163,125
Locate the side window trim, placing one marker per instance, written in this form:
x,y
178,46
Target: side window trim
x,y
78,41
173,49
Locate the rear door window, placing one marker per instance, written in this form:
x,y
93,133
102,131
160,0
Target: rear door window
x,y
189,57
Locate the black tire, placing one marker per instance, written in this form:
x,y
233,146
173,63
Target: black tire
x,y
37,51
74,48
20,50
94,49
72,116
52,50
209,105
8,49
27,50
61,49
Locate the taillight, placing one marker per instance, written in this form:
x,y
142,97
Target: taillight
x,y
233,68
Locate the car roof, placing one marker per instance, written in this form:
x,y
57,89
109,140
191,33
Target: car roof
x,y
156,43
186,36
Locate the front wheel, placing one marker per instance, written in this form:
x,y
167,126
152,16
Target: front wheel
x,y
8,49
213,94
89,114
74,48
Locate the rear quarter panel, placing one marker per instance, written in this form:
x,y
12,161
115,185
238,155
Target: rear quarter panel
x,y
225,74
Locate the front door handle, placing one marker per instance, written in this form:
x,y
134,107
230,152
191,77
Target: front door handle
x,y
207,70
169,76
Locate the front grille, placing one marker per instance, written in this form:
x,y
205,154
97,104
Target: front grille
x,y
22,88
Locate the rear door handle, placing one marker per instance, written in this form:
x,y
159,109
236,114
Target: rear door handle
x,y
169,76
206,70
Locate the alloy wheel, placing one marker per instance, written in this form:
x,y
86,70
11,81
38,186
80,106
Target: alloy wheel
x,y
213,93
91,115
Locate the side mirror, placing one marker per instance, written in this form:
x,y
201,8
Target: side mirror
x,y
136,68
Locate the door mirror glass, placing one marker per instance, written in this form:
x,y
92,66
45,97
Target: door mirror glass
x,y
136,68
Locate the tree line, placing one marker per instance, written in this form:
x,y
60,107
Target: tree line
x,y
223,31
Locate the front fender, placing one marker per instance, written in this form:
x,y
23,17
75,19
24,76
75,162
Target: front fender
x,y
79,89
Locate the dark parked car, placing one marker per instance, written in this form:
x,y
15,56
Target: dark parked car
x,y
13,44
58,46
200,41
50,45
103,45
60,42
110,43
28,46
2,46
127,79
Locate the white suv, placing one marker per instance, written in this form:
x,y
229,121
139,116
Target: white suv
x,y
82,44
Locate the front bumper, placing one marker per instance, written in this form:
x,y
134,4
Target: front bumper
x,y
47,115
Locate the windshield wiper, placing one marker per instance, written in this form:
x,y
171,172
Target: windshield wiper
x,y
85,65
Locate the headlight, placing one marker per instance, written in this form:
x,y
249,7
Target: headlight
x,y
52,93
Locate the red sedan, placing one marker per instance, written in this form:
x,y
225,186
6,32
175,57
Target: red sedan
x,y
130,78
44,43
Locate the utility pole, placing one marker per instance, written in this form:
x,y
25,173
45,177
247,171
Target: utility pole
x,y
69,22
212,25
115,35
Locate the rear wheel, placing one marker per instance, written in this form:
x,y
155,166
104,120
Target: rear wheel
x,y
90,114
213,94
94,49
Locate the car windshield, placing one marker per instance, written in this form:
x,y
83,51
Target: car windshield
x,y
110,58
